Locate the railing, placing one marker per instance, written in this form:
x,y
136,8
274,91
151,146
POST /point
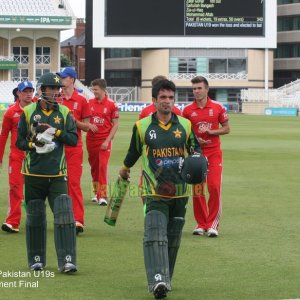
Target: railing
x,y
118,94
209,76
289,85
43,59
261,95
124,94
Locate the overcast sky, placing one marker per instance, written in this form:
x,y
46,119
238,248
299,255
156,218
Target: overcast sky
x,y
78,7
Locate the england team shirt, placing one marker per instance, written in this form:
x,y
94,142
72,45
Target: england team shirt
x,y
10,124
151,109
102,115
213,114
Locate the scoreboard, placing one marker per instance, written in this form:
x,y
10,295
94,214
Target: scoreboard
x,y
184,18
185,23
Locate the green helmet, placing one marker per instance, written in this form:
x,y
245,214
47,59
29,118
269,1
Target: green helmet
x,y
49,79
194,169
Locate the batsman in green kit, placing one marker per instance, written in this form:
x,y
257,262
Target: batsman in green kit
x,y
162,140
44,128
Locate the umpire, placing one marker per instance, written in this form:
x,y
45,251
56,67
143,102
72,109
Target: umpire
x,y
162,139
44,128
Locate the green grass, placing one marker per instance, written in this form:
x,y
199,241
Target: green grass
x,y
255,257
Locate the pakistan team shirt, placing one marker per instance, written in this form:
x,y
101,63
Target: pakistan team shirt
x,y
163,148
49,164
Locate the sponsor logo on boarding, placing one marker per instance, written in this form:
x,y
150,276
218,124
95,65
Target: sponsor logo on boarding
x,y
168,162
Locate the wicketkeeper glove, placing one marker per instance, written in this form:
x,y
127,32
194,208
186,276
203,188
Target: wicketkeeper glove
x,y
47,136
124,172
47,148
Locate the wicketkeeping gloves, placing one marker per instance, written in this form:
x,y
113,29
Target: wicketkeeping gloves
x,y
47,148
47,136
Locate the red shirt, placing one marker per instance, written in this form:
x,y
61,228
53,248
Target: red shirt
x,y
150,109
213,114
10,124
79,107
102,115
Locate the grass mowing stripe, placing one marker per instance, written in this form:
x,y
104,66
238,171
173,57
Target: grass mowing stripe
x,y
256,256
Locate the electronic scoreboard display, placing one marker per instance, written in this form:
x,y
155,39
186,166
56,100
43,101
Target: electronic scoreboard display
x,y
184,18
185,24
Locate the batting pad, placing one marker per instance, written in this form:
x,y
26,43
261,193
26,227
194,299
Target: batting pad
x,y
64,231
174,237
36,234
156,249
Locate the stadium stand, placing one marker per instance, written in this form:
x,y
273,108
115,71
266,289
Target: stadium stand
x,y
287,96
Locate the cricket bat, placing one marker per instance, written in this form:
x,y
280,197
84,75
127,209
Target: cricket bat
x,y
116,200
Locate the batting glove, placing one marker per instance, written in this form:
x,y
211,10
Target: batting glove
x,y
47,148
47,136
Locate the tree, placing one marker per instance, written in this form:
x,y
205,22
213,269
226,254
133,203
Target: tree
x,y
65,61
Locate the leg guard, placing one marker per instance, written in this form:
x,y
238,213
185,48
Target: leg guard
x,y
174,237
36,232
156,249
64,231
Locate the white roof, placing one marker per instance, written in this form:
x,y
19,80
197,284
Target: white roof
x,y
50,14
34,8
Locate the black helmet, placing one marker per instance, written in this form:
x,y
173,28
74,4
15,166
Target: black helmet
x,y
49,79
194,169
53,81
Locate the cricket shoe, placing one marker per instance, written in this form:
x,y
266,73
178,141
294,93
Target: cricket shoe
x,y
69,268
79,228
102,202
94,199
199,231
9,228
37,267
160,290
211,232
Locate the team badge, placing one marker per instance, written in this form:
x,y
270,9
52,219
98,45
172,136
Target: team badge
x,y
211,113
57,120
177,133
75,106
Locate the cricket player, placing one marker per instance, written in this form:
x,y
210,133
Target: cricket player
x,y
23,95
150,109
44,128
209,120
162,140
104,125
80,111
